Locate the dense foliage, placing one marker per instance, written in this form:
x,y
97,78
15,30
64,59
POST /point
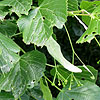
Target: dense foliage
x,y
49,49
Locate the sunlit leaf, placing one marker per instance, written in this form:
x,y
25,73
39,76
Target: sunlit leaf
x,y
37,27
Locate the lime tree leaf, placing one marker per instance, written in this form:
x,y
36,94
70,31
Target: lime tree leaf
x,y
8,28
72,5
3,12
37,27
36,93
8,54
93,28
26,72
18,6
25,97
55,51
6,96
88,6
89,91
85,75
46,91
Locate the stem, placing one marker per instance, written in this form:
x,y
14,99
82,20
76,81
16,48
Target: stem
x,y
97,41
81,22
50,65
16,34
52,83
22,50
75,52
20,98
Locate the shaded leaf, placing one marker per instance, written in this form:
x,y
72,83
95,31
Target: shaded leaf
x,y
3,12
46,91
8,28
84,75
25,73
25,97
8,54
37,27
6,96
36,93
89,91
18,6
55,51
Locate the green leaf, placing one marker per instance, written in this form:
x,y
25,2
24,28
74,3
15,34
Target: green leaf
x,y
84,75
37,27
8,28
6,96
25,73
55,51
72,5
18,6
25,97
88,6
36,93
3,12
46,91
89,91
8,54
93,28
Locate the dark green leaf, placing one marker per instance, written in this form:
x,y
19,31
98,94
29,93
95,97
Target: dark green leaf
x,y
8,28
3,12
84,75
37,27
89,91
6,96
25,97
35,92
26,72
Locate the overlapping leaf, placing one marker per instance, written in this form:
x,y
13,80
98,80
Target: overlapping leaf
x,y
8,28
8,56
6,96
26,72
93,22
18,6
89,91
85,75
37,27
46,91
72,5
3,12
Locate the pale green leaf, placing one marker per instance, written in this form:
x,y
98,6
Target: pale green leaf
x,y
37,27
72,5
89,91
8,54
18,6
55,51
25,73
46,91
89,7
